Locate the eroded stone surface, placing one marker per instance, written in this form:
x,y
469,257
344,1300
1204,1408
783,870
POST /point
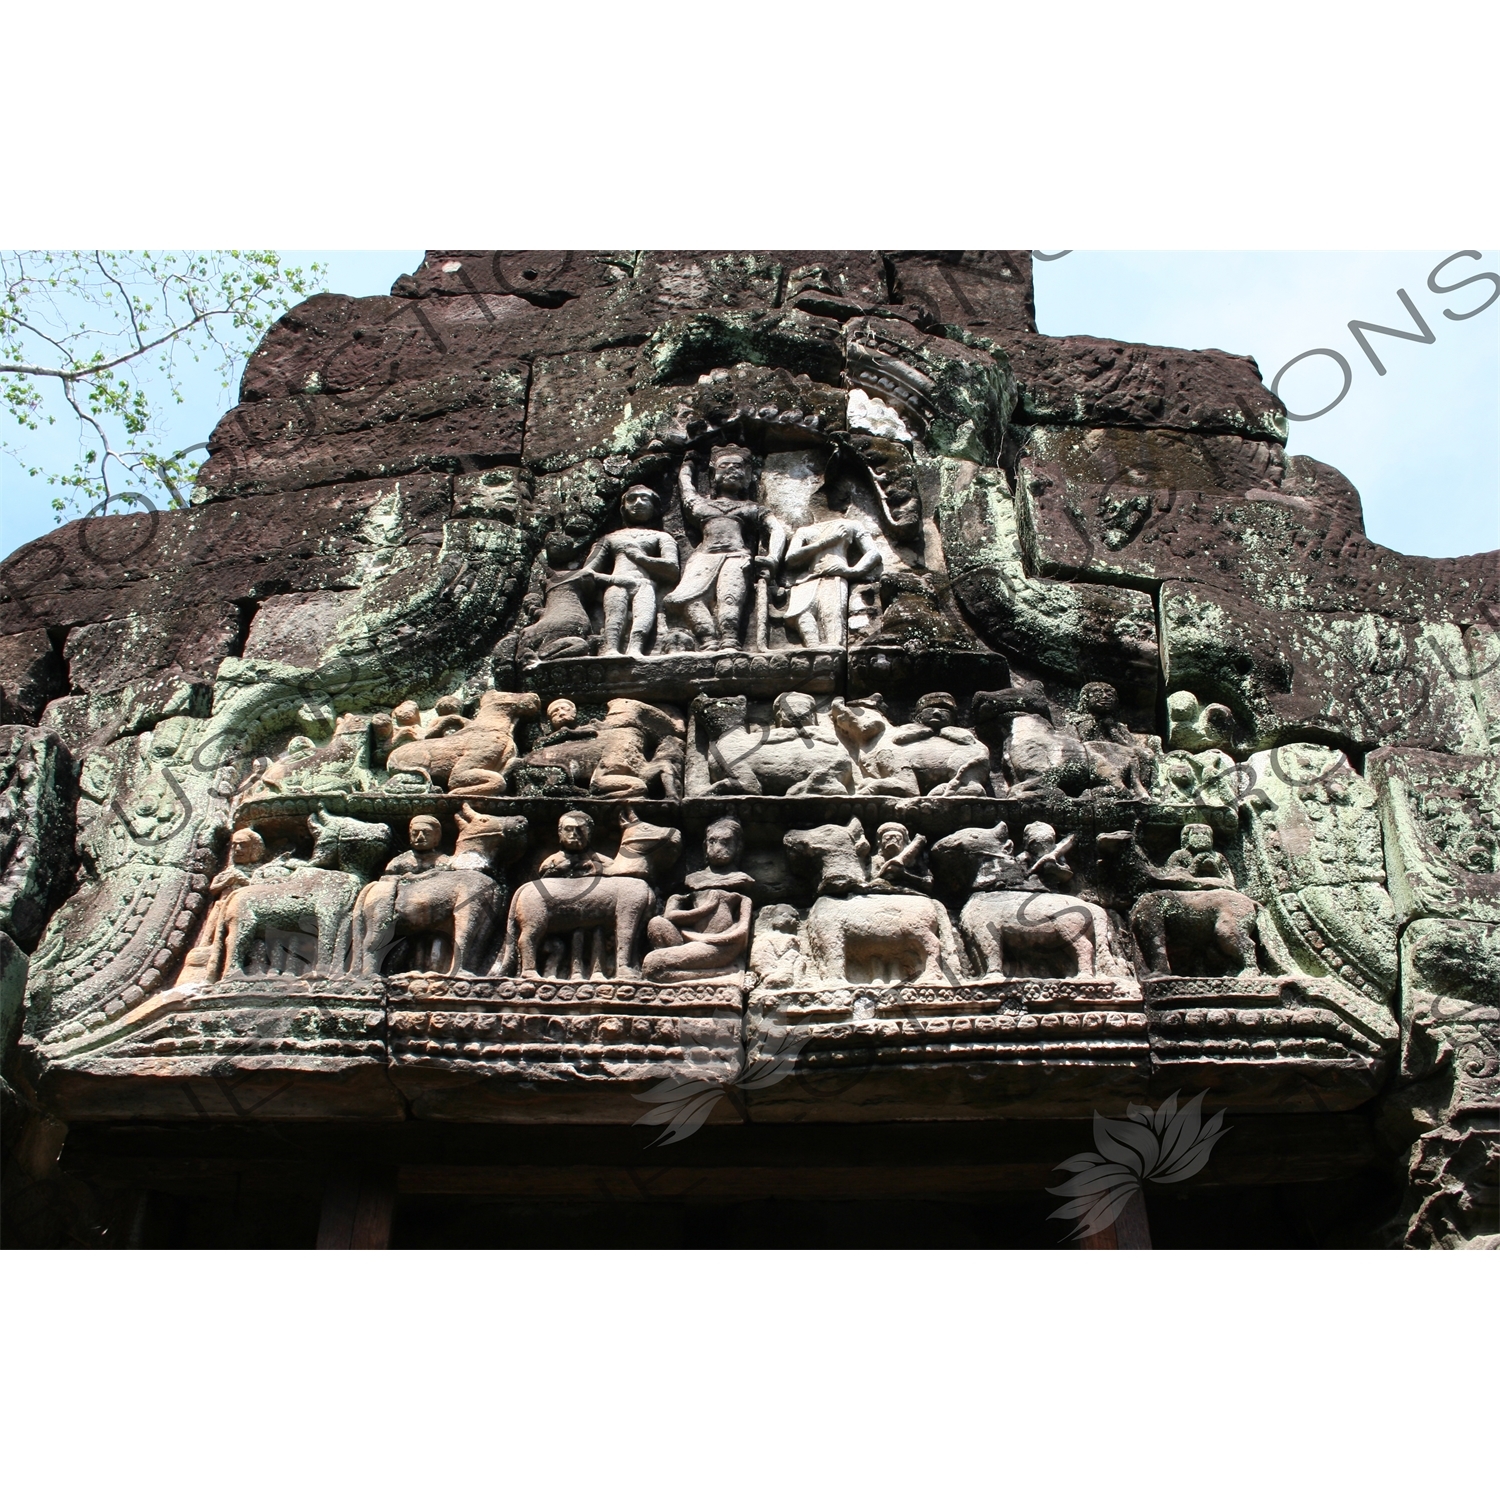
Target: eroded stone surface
x,y
595,669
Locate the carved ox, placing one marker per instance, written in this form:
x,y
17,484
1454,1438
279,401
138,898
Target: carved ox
x,y
1222,922
570,903
321,891
886,931
995,920
469,755
800,759
461,898
911,762
1037,754
906,932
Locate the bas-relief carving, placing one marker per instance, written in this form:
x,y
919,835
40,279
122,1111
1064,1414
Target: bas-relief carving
x,y
1440,815
723,618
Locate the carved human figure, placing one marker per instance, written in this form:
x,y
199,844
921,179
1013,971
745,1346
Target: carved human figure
x,y
640,745
936,718
1197,862
634,564
577,893
899,862
402,724
775,955
716,581
575,833
706,931
560,625
562,725
1045,855
247,858
1110,742
424,833
447,905
822,561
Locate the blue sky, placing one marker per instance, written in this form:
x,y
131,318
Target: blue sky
x,y
1421,443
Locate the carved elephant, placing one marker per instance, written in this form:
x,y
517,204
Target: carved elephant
x,y
993,922
913,932
1220,921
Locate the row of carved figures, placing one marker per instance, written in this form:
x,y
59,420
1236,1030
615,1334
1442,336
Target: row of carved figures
x,y
634,594
586,915
854,747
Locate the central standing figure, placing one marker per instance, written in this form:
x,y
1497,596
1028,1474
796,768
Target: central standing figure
x,y
716,581
632,564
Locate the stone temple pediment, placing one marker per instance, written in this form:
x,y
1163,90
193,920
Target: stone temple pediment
x,y
588,671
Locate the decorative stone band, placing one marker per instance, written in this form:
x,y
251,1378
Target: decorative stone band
x,y
568,1031
278,1046
678,678
934,815
1268,1043
247,1018
985,997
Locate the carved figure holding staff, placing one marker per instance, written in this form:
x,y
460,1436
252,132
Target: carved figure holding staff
x,y
716,581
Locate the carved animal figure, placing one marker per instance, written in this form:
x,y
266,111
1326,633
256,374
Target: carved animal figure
x,y
1199,909
1220,921
343,764
571,903
1037,754
795,757
461,898
912,933
842,852
890,930
469,755
933,757
639,744
1192,725
321,891
994,920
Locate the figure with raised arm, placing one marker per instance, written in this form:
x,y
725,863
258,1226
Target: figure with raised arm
x,y
716,582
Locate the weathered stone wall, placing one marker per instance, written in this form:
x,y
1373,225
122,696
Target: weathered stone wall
x,y
1149,619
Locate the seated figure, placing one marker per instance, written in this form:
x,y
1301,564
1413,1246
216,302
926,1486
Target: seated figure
x,y
796,757
705,932
899,862
776,955
932,756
